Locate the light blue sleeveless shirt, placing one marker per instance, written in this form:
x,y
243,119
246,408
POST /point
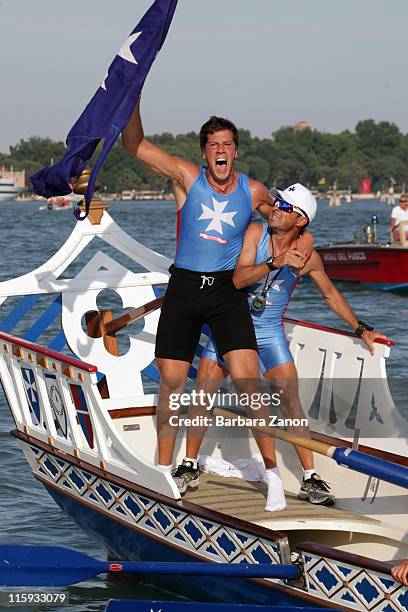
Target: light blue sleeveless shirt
x,y
273,346
281,283
211,226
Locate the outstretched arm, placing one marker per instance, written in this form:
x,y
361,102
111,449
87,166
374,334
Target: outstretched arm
x,y
157,160
335,300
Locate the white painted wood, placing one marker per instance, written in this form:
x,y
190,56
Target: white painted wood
x,y
110,449
130,401
63,443
20,392
44,278
124,371
348,374
45,405
10,390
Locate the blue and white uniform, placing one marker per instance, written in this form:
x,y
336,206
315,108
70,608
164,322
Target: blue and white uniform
x,y
273,347
210,233
211,226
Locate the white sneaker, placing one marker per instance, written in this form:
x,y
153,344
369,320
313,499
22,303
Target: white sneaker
x,y
275,500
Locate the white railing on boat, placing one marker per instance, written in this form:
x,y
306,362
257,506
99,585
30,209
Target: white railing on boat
x,y
55,399
343,388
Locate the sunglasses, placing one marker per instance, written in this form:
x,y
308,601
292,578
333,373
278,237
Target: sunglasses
x,y
287,207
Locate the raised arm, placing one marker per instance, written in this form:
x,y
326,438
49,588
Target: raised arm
x,y
335,300
157,160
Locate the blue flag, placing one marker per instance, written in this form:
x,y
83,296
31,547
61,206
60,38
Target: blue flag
x,y
111,107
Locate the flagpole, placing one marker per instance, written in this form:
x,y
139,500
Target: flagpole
x,y
97,206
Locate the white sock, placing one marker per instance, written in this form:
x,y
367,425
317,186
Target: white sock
x,y
276,495
308,473
193,461
165,468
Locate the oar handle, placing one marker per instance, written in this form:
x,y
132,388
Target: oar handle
x,y
314,445
137,313
355,460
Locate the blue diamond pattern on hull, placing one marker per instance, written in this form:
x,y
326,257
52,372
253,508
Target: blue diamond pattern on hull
x,y
338,583
104,493
162,518
226,543
367,590
77,480
192,530
133,507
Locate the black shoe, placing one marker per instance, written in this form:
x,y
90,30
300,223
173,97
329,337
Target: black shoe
x,y
186,476
316,491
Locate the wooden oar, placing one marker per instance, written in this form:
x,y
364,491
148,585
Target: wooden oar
x,y
355,460
137,313
57,566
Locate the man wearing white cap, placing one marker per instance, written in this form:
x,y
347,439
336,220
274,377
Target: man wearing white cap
x,y
269,267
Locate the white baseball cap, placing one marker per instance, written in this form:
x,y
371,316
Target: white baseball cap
x,y
300,196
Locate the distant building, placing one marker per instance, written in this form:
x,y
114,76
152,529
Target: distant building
x,y
18,178
302,125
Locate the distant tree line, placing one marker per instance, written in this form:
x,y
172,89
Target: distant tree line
x,y
378,151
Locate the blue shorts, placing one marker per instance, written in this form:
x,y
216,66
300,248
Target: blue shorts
x,y
273,347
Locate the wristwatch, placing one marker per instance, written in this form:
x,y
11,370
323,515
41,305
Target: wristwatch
x,y
362,327
269,263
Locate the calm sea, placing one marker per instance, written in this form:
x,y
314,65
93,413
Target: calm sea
x,y
28,237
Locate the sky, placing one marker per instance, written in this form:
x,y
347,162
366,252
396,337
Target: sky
x,y
261,63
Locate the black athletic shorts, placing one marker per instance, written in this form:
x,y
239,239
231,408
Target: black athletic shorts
x,y
195,298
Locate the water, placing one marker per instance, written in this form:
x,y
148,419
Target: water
x,y
28,237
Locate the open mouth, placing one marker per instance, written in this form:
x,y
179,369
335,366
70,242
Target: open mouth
x,y
221,163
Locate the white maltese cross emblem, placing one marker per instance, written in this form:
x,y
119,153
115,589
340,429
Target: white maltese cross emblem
x,y
217,216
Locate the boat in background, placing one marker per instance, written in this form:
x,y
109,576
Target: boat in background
x,y
66,202
8,190
381,265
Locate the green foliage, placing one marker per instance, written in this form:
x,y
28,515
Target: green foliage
x,y
378,139
378,151
40,150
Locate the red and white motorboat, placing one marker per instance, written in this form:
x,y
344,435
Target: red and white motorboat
x,y
379,265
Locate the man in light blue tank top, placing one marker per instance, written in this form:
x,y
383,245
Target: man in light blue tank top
x,y
214,208
269,267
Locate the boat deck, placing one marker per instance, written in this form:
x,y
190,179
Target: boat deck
x,y
246,501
